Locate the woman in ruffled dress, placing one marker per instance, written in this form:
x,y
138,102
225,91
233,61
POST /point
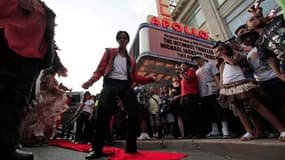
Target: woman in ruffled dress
x,y
40,123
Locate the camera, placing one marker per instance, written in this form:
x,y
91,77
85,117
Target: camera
x,y
143,97
177,69
255,5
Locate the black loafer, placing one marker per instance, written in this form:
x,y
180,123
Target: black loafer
x,y
21,155
94,155
131,151
97,155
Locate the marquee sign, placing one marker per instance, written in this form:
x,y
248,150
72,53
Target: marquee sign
x,y
167,23
173,45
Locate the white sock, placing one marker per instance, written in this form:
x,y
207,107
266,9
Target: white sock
x,y
225,124
225,129
214,128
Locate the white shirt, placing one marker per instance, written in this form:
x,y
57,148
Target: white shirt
x,y
262,72
154,102
119,70
232,73
206,74
88,106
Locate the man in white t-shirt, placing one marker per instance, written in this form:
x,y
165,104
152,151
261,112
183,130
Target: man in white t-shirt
x,y
208,78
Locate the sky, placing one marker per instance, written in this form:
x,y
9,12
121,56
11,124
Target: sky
x,y
86,27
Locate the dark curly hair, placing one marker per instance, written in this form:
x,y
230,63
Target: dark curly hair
x,y
122,32
226,46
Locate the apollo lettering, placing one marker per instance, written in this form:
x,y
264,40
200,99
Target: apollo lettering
x,y
167,23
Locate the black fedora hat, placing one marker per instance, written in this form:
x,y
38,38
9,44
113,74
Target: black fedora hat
x,y
197,57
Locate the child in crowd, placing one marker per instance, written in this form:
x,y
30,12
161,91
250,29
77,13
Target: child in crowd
x,y
154,105
235,88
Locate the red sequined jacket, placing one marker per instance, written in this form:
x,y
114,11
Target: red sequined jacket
x,y
106,65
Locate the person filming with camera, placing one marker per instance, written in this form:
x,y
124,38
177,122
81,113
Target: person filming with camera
x,y
189,94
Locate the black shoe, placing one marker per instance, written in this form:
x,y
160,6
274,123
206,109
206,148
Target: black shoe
x,y
109,143
21,155
131,151
94,155
19,146
198,136
188,136
97,155
213,136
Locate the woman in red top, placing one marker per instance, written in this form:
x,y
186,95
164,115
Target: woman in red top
x,y
189,93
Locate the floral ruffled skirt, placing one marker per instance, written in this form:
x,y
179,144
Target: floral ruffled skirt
x,y
237,92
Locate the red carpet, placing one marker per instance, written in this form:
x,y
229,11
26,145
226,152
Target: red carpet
x,y
119,153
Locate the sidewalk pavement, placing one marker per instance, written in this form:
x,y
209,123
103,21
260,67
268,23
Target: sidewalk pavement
x,y
198,149
259,149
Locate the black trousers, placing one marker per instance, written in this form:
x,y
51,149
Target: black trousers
x,y
274,97
82,127
17,77
192,116
211,108
106,108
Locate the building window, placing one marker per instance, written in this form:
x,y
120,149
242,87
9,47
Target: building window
x,y
240,15
197,19
220,2
172,4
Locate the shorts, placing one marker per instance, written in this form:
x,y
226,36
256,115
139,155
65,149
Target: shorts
x,y
154,120
143,113
167,118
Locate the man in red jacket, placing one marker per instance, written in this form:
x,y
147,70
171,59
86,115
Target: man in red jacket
x,y
26,47
119,72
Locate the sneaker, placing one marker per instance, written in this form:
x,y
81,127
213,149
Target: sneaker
x,y
155,135
225,131
169,136
143,136
226,134
214,135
